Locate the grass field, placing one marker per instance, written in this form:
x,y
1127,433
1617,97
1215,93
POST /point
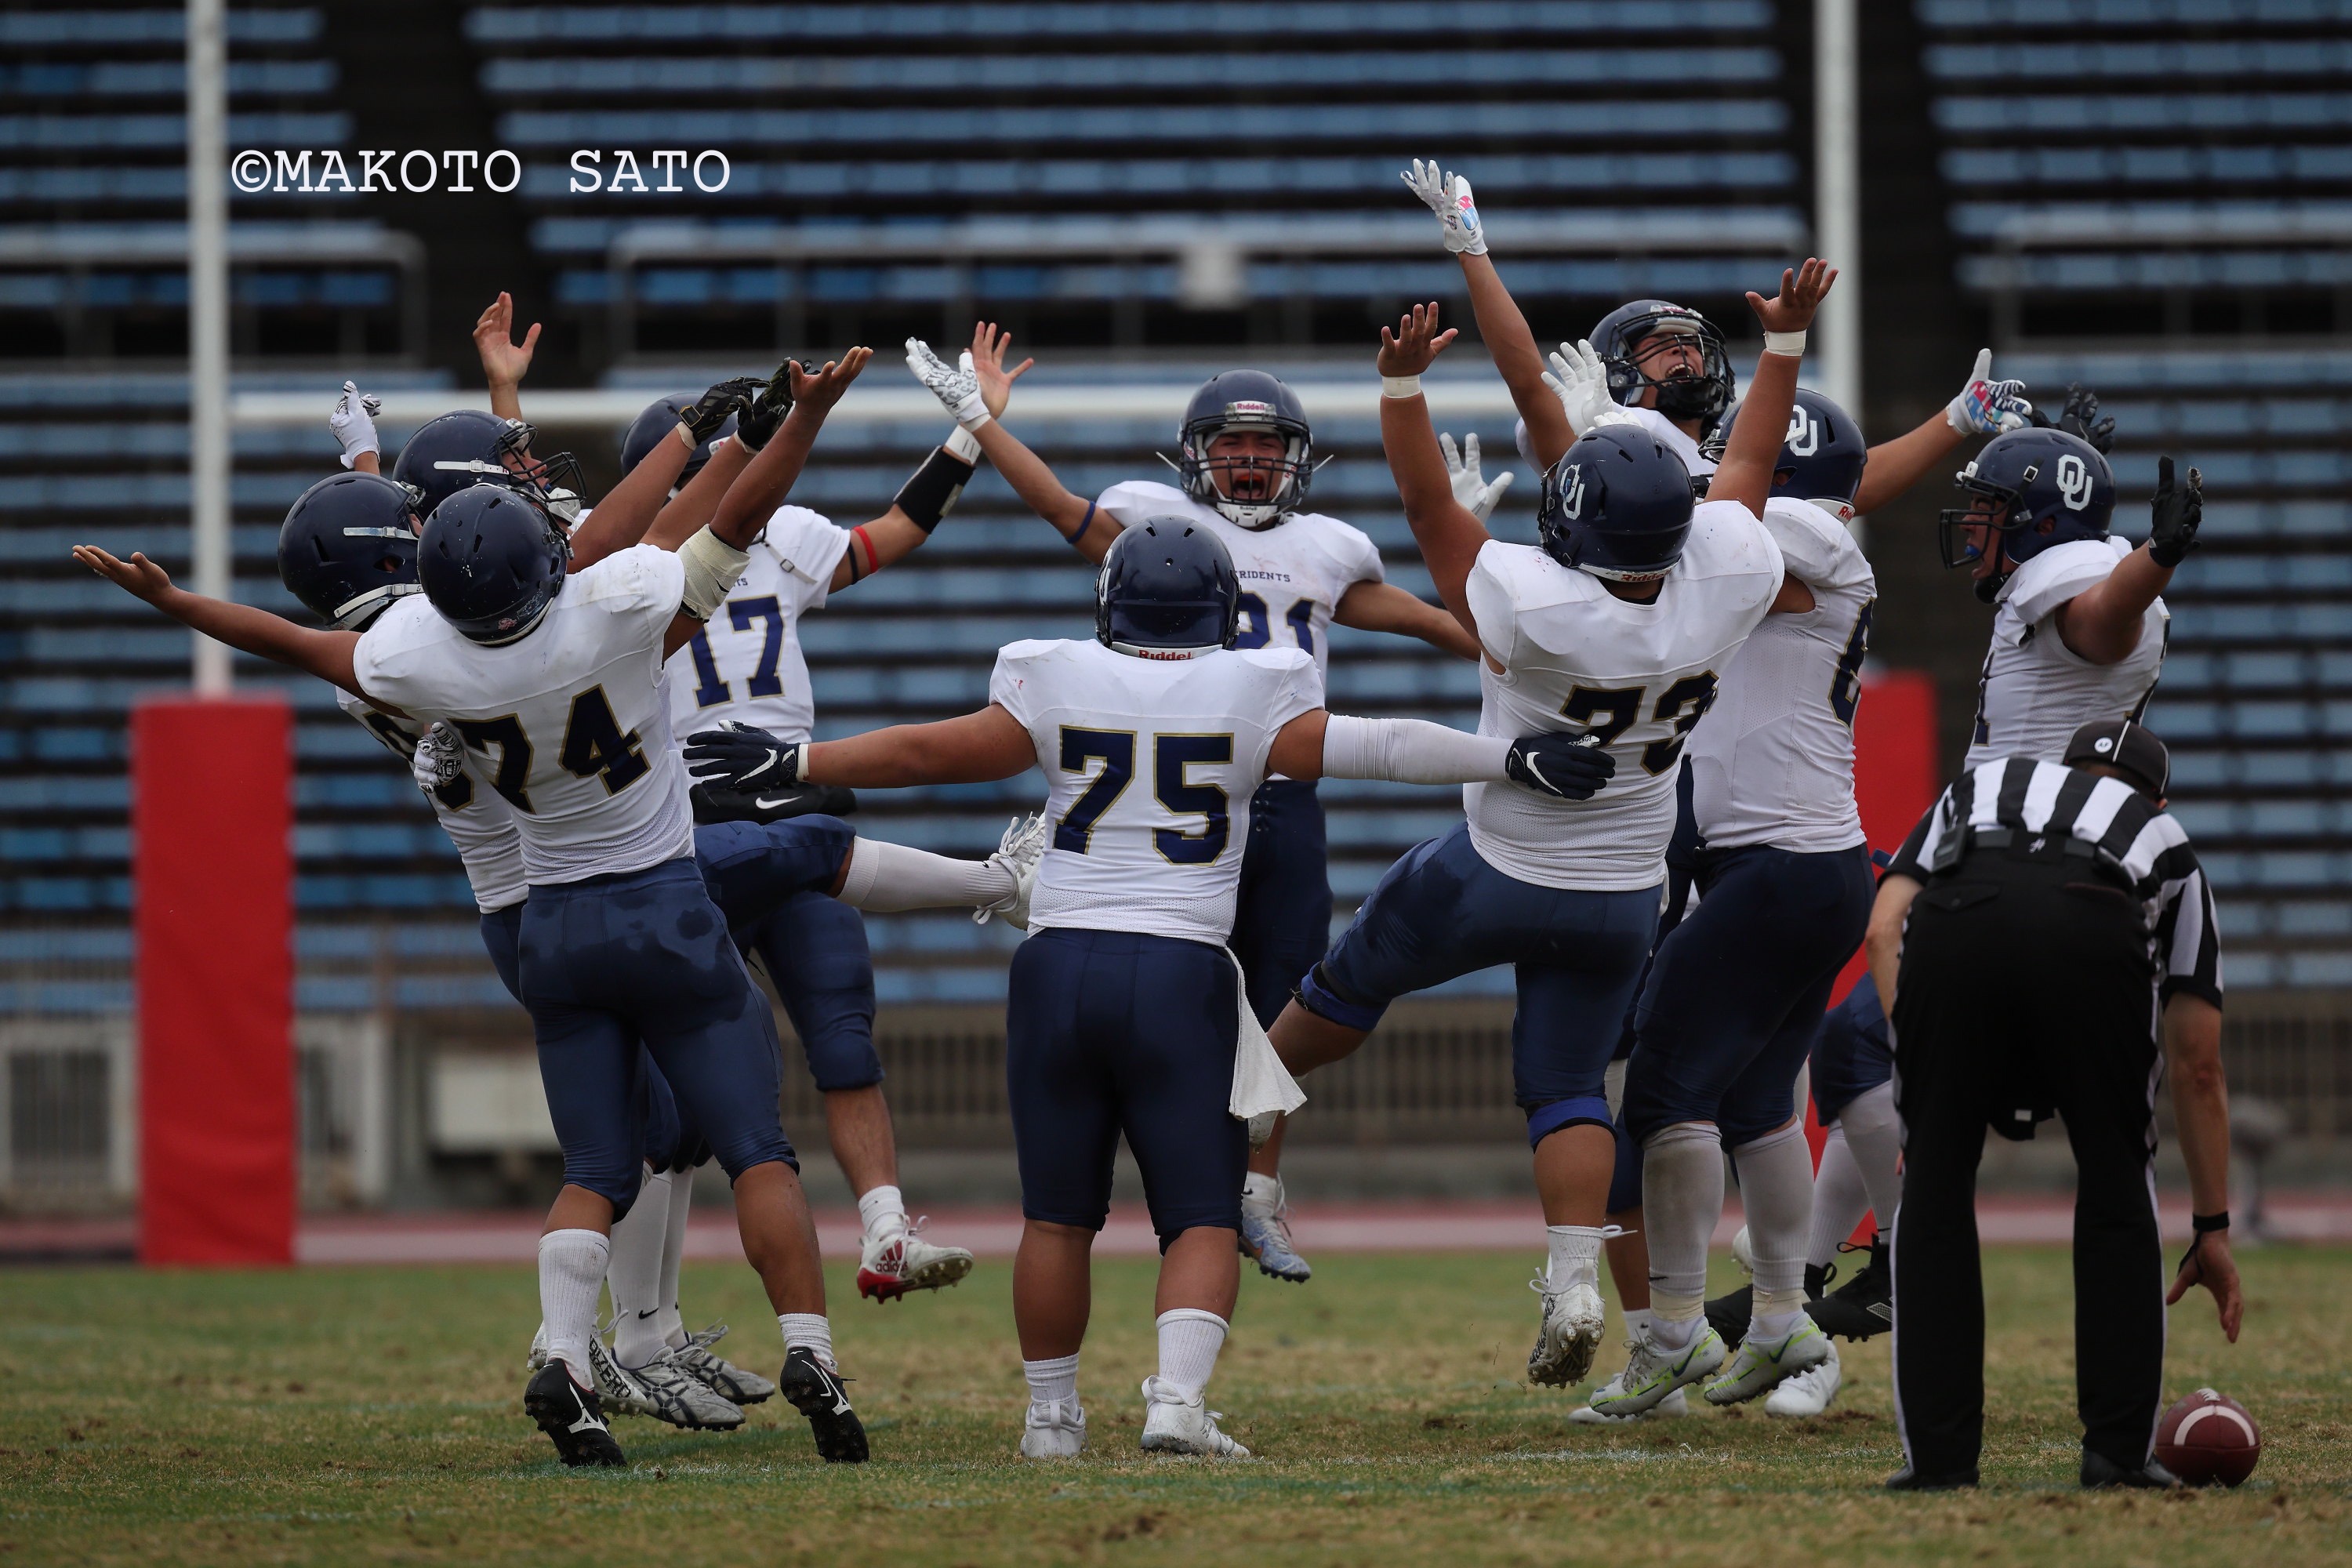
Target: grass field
x,y
365,1415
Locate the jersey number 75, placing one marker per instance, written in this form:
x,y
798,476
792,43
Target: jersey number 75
x,y
1173,758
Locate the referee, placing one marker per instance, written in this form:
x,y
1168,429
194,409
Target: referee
x,y
2054,912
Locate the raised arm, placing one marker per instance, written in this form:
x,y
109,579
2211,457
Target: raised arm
x,y
504,362
1982,406
1449,537
628,511
973,390
1745,474
743,512
1385,607
2103,623
325,654
974,748
351,422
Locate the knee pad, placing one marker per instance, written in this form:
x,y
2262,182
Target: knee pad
x,y
1625,1179
1543,1121
1315,994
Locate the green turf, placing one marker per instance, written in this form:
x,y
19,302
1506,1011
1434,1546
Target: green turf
x,y
342,1416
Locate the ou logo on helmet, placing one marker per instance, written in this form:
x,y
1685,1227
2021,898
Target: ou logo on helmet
x,y
2073,482
1804,437
1571,500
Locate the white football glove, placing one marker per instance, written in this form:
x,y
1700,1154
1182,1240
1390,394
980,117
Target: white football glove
x,y
440,757
1477,497
1021,851
957,386
1986,406
352,421
1580,380
1448,195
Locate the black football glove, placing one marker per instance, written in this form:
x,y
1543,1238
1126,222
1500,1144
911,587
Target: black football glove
x,y
1565,766
741,757
771,399
704,415
2174,515
2080,416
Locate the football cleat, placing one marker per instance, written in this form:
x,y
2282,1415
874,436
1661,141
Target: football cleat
x,y
815,1391
1864,1307
1056,1429
1763,1364
664,1389
537,1357
1174,1424
2101,1473
1570,1335
1908,1480
890,1266
1810,1392
1021,851
1265,1238
723,1377
1654,1374
1666,1409
1728,1312
571,1417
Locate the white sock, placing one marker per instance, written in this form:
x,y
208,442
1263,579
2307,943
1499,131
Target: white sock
x,y
634,1274
570,1276
808,1331
1637,1321
668,1323
1776,1187
1875,1132
1054,1381
882,1211
1262,1193
1189,1340
1575,1253
887,877
1840,1199
1682,1198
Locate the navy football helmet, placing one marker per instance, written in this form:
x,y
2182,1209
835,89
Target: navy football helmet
x,y
1821,457
492,560
1617,504
1246,400
2045,487
648,429
1618,338
348,547
470,447
1167,584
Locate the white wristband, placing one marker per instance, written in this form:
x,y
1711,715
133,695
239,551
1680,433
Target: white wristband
x,y
1789,343
963,446
1399,386
713,567
686,433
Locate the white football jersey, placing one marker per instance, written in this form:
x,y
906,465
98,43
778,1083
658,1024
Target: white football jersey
x,y
746,664
1772,763
1292,573
567,724
1576,656
2035,691
478,822
1669,434
1152,764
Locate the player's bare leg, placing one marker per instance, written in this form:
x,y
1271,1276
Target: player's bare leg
x,y
1053,1296
771,1215
1199,1279
893,1259
1574,1167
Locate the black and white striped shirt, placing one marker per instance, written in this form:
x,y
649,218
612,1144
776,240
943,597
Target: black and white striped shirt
x,y
2128,833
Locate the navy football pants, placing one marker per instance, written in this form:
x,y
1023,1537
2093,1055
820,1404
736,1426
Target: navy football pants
x,y
1282,915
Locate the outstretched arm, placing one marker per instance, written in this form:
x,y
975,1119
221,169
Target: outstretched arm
x,y
1745,474
697,502
973,390
1449,537
974,748
325,654
1385,607
2103,623
504,362
1983,407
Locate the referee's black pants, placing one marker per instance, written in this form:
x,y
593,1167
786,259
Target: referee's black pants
x,y
2026,982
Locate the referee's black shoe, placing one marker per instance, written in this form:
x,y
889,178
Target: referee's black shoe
x,y
571,1417
2100,1473
1908,1480
1864,1307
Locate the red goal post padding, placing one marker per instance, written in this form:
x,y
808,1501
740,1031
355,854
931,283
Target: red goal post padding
x,y
213,889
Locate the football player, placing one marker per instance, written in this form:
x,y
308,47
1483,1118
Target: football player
x,y
1125,1014
1246,462
1622,621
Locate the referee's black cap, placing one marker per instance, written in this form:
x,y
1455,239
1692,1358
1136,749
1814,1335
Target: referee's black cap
x,y
2127,748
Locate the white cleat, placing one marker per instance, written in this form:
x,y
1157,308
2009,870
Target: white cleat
x,y
1574,1322
537,1357
1672,1406
1266,1239
718,1374
1056,1429
1174,1424
1766,1363
1021,851
890,1266
1654,1374
665,1390
1810,1392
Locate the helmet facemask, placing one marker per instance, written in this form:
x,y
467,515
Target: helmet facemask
x,y
1270,488
557,483
1701,393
